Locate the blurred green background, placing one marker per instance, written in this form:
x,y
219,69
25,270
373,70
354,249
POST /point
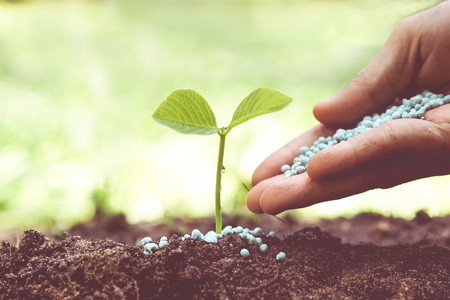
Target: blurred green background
x,y
79,81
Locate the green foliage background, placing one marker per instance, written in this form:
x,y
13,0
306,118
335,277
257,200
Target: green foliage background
x,y
79,81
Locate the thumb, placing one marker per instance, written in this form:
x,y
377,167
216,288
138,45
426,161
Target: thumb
x,y
378,84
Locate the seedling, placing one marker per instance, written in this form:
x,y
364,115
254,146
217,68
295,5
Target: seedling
x,y
187,112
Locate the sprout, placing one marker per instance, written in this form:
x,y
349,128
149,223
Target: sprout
x,y
187,112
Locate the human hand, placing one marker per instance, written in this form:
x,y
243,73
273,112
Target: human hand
x,y
415,57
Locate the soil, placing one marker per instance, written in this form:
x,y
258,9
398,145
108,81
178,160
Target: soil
x,y
366,257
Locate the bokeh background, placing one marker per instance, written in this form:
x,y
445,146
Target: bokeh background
x,y
79,81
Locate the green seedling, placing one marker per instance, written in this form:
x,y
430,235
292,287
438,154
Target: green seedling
x,y
187,112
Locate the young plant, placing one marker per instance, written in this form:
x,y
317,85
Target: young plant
x,y
187,112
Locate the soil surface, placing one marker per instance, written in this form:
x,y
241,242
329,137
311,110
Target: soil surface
x,y
365,257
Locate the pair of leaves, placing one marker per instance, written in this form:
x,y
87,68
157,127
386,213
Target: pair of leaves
x,y
186,111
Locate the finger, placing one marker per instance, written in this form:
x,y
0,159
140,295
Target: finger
x,y
378,84
440,115
400,139
393,153
271,165
254,195
434,74
278,195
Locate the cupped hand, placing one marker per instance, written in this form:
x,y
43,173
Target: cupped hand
x,y
393,153
416,57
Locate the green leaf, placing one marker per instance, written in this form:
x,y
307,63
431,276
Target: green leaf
x,y
260,101
186,111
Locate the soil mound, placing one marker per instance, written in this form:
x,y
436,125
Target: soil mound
x,y
318,265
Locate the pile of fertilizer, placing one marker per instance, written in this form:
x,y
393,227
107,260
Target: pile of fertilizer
x,y
415,108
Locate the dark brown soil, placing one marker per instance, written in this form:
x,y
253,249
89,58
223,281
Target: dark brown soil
x,y
350,263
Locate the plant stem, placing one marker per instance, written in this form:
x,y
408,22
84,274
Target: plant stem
x,y
222,135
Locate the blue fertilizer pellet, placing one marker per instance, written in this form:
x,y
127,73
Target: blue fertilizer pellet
x,y
238,229
281,256
257,231
211,237
263,248
163,243
146,240
197,235
251,239
151,246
